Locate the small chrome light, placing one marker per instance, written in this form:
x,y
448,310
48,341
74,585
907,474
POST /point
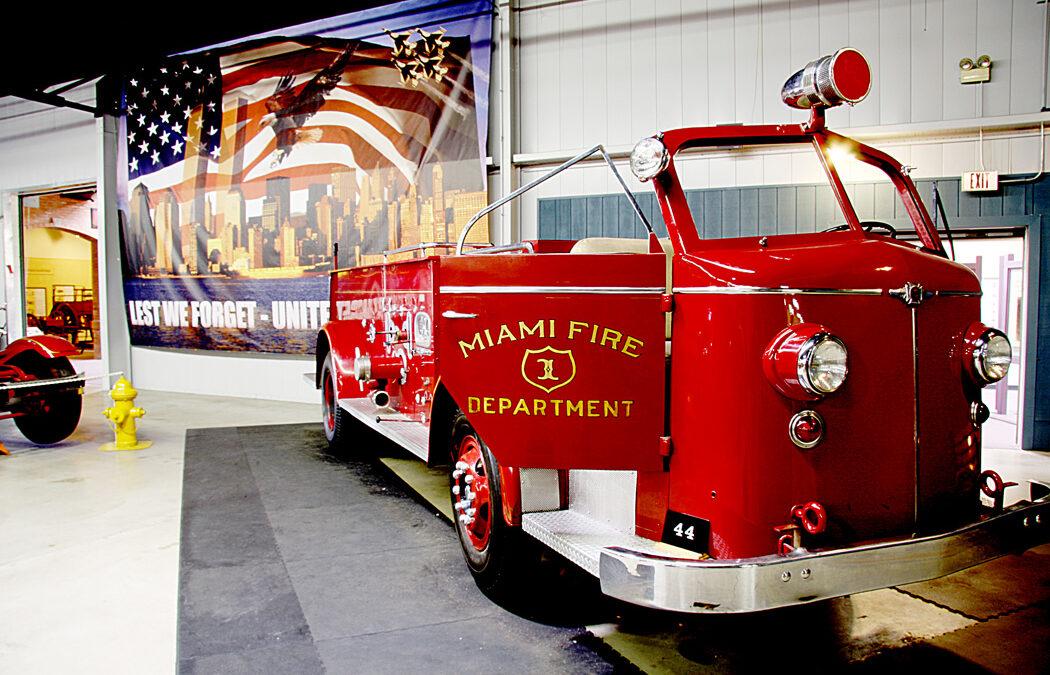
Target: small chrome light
x,y
992,355
979,413
649,158
806,429
822,364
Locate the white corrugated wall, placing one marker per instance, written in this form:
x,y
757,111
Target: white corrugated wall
x,y
613,71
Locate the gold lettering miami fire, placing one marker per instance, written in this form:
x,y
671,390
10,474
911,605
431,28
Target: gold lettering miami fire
x,y
548,329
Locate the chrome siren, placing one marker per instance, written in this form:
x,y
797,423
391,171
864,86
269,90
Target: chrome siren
x,y
842,77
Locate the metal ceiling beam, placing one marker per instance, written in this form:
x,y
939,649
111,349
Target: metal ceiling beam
x,y
72,85
55,100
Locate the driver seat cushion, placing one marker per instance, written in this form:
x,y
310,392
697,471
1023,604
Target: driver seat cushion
x,y
607,245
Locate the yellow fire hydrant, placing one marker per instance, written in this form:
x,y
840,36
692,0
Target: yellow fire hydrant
x,y
123,414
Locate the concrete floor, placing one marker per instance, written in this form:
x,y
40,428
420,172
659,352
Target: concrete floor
x,y
89,560
89,540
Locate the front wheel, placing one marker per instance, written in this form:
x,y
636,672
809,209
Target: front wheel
x,y
52,413
491,548
335,420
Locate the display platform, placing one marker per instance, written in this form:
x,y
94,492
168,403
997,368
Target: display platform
x,y
294,560
297,560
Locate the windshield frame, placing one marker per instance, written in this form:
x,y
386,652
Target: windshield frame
x,y
681,226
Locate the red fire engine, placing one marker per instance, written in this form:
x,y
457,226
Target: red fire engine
x,y
707,426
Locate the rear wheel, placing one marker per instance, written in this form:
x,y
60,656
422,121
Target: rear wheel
x,y
51,413
491,548
335,420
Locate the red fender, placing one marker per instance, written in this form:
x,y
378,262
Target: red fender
x,y
341,335
48,346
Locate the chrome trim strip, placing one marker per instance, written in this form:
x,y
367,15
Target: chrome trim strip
x,y
958,294
753,584
767,290
555,290
761,290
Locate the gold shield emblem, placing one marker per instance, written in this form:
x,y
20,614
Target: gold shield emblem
x,y
548,368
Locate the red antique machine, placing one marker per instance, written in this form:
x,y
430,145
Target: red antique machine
x,y
39,388
706,426
72,309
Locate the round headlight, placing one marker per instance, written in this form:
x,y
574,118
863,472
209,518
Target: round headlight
x,y
649,158
822,364
992,356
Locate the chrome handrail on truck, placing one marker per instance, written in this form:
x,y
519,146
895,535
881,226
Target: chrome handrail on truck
x,y
505,248
545,177
422,246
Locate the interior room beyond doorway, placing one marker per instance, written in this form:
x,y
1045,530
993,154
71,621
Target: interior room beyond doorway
x,y
60,263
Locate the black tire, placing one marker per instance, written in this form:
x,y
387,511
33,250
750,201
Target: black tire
x,y
335,421
52,413
494,559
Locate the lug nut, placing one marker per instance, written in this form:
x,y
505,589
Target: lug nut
x,y
457,473
455,489
462,465
469,478
470,512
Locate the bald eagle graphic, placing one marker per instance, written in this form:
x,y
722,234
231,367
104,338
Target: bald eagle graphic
x,y
288,110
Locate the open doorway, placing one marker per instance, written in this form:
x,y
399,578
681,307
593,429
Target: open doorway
x,y
998,259
60,263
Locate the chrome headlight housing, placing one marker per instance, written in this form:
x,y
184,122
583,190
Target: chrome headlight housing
x,y
649,158
822,364
992,355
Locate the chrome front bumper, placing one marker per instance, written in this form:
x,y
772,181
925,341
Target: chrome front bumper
x,y
753,584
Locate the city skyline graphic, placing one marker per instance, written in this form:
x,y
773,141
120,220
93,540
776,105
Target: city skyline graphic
x,y
216,234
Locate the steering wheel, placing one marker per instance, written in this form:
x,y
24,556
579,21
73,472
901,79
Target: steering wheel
x,y
867,226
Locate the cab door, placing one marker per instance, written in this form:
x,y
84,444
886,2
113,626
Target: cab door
x,y
557,360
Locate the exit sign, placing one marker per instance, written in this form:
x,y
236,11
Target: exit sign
x,y
980,181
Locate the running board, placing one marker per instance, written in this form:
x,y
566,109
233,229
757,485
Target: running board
x,y
408,432
581,538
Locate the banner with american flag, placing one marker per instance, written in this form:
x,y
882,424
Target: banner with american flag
x,y
248,165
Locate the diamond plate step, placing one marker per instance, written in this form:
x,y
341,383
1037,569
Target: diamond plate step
x,y
408,432
581,538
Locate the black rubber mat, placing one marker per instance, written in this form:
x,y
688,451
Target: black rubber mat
x,y
296,561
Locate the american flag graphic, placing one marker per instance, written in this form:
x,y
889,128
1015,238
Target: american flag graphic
x,y
173,109
293,108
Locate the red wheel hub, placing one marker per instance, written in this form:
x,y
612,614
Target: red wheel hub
x,y
470,489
